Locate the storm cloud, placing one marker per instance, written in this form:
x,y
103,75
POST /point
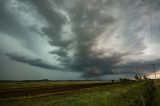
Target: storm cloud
x,y
31,61
92,37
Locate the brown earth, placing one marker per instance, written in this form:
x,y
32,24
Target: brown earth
x,y
33,91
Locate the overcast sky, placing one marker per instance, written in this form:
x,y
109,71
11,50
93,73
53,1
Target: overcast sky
x,y
78,39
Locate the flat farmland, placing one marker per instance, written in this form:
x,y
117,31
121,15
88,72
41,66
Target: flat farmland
x,y
73,93
17,89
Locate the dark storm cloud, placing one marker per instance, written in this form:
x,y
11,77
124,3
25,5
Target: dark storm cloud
x,y
141,67
93,37
54,19
9,23
87,24
86,32
83,20
59,52
94,66
33,62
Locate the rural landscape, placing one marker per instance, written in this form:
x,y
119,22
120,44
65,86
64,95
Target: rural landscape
x,y
80,93
79,52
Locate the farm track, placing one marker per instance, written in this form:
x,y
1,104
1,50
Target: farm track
x,y
55,90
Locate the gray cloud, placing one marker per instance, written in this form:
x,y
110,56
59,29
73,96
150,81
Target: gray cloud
x,y
95,38
59,52
54,19
141,67
33,62
88,23
9,23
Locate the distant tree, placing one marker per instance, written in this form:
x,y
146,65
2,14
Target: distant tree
x,y
140,77
113,80
120,79
45,80
145,77
136,77
124,80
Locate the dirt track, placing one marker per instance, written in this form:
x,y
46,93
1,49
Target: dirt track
x,y
47,89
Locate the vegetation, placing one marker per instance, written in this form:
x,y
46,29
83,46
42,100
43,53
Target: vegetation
x,y
85,93
157,93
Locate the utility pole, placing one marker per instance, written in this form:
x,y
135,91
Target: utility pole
x,y
154,71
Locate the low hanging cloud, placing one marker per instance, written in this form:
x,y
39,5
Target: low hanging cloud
x,y
32,61
95,38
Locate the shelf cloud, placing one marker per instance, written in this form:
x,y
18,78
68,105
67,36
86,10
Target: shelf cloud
x,y
93,38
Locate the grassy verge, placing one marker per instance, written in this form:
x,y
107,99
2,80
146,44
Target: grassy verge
x,y
157,92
